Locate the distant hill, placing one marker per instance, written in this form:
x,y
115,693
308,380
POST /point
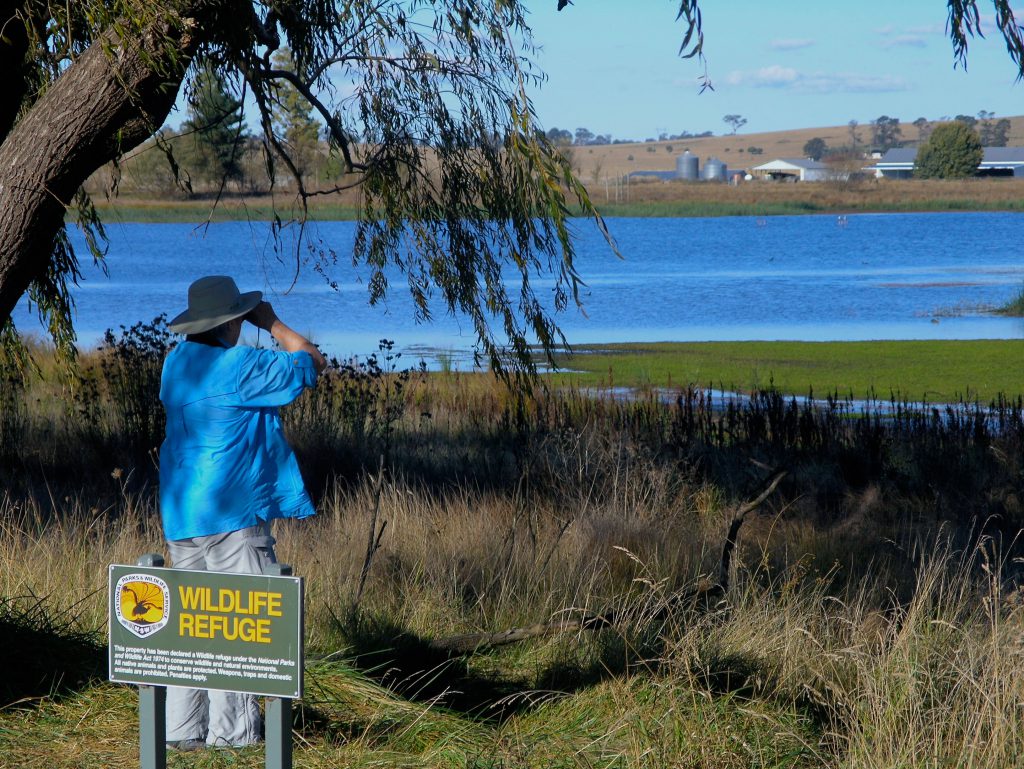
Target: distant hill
x,y
145,176
597,162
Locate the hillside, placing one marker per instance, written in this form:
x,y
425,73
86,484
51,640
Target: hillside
x,y
146,190
595,163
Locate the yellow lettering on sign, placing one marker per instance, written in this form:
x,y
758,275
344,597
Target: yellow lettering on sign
x,y
230,628
227,601
202,622
274,604
190,596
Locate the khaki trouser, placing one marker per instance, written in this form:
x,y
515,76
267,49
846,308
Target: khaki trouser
x,y
220,718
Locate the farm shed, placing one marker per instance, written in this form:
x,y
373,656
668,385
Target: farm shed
x,y
802,169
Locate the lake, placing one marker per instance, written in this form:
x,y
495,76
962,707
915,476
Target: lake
x,y
815,278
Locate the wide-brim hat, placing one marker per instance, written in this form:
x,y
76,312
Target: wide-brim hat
x,y
213,300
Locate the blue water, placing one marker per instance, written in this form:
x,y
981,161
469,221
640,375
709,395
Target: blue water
x,y
881,276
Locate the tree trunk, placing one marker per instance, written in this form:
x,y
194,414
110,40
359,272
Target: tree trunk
x,y
113,97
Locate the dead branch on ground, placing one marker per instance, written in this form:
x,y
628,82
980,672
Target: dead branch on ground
x,y
703,597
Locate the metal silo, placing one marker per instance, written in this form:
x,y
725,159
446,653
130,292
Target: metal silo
x,y
714,170
688,167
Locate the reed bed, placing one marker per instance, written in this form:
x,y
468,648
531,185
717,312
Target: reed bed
x,y
677,198
873,617
644,198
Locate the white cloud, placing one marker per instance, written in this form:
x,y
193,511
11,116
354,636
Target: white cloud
x,y
774,76
790,44
917,36
777,76
905,41
852,83
928,29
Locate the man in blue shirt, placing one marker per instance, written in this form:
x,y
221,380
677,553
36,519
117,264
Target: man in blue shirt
x,y
226,470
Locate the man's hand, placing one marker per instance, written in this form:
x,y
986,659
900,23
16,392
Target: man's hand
x,y
262,316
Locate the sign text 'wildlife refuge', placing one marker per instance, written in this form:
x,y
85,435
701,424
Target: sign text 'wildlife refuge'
x,y
207,630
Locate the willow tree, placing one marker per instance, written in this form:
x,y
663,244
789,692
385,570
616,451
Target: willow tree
x,y
425,103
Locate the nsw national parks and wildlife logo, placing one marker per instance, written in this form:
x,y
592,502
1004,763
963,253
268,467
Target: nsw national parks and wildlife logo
x,y
141,603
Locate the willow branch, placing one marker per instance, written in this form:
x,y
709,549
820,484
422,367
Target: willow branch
x,y
337,132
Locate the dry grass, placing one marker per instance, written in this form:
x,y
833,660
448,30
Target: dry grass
x,y
868,195
652,197
599,166
866,639
790,675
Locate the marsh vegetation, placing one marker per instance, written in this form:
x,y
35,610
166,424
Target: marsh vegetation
x,y
871,616
645,198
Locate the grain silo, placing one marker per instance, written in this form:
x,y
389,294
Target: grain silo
x,y
688,167
714,170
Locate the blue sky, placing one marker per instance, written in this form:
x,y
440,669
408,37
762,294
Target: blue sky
x,y
613,68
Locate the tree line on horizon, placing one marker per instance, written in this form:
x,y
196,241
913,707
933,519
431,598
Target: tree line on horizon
x,y
214,146
886,133
949,148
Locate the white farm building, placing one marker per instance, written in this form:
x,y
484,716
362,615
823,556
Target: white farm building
x,y
997,161
801,169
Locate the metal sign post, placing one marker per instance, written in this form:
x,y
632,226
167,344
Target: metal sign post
x,y
207,630
152,706
277,717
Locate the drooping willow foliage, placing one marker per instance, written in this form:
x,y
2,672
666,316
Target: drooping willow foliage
x,y
426,110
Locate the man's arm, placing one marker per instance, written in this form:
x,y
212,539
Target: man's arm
x,y
263,316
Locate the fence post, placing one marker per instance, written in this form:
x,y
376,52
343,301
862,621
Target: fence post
x,y
152,705
278,710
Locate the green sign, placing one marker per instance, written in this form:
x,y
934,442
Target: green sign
x,y
206,630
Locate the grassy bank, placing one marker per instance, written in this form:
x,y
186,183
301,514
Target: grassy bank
x,y
810,205
655,198
645,198
870,617
934,371
130,209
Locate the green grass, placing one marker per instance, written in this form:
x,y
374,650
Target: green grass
x,y
197,211
702,208
936,371
697,208
234,209
347,721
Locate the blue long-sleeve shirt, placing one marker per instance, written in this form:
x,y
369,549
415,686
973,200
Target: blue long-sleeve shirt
x,y
225,464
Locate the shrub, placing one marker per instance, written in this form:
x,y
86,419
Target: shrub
x,y
953,151
131,365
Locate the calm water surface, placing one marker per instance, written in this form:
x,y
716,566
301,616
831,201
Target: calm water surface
x,y
881,276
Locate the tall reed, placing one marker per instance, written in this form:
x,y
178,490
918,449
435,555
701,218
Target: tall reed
x,y
873,622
